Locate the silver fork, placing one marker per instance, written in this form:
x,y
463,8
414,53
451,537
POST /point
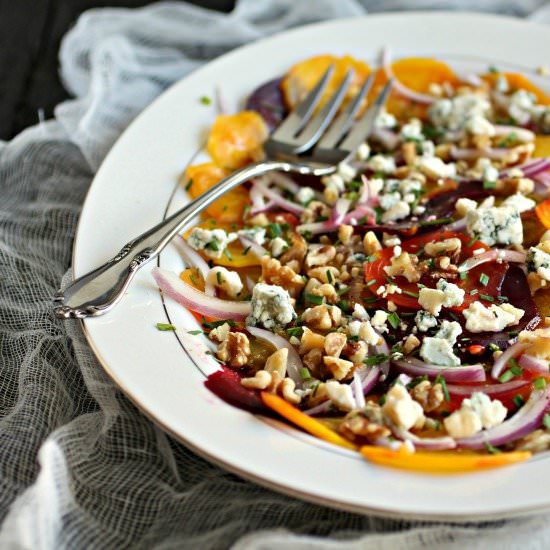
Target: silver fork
x,y
100,290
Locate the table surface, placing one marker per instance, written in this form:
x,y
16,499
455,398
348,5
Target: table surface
x,y
30,34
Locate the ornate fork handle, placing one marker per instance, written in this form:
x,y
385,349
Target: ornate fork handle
x,y
100,290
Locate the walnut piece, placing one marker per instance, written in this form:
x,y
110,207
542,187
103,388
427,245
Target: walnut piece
x,y
322,317
334,343
273,273
277,362
294,256
287,388
371,244
430,397
219,334
405,265
234,350
321,255
357,425
260,381
340,368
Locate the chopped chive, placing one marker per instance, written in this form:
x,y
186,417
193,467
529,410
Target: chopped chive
x,y
411,294
493,347
518,401
484,279
305,374
492,69
393,319
546,421
375,359
513,333
502,298
491,449
205,100
440,221
486,297
295,331
371,282
463,275
344,305
219,277
440,380
342,290
228,254
506,376
188,185
330,278
515,369
453,316
539,383
165,326
195,332
382,400
489,184
212,245
474,291
415,381
370,258
216,324
370,300
246,250
313,299
473,240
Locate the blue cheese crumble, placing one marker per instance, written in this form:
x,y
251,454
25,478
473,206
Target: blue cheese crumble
x,y
438,351
495,225
424,320
271,307
210,242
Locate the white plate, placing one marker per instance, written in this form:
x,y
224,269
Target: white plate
x,y
136,186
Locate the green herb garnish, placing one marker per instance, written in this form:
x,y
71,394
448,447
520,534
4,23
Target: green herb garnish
x,y
484,279
165,326
313,299
377,359
440,380
539,383
393,319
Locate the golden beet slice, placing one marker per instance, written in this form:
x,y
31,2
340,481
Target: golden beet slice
x,y
236,140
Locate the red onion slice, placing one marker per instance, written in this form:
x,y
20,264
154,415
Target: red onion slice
x,y
530,168
494,255
543,178
259,204
521,134
460,153
257,249
294,363
357,388
457,226
191,298
193,259
277,198
386,137
492,390
527,419
533,364
467,373
400,88
500,364
430,443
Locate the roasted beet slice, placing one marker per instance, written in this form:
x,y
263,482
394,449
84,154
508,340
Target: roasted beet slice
x,y
438,207
516,288
226,384
267,100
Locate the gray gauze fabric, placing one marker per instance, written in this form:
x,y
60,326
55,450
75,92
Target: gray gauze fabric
x,y
80,466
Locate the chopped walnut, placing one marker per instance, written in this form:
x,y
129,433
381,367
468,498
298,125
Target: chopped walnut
x,y
357,425
313,359
317,317
405,265
234,350
411,343
430,397
321,255
371,244
344,233
327,274
310,340
315,210
260,381
327,291
287,388
536,442
274,273
294,256
409,152
340,368
449,247
536,282
277,362
356,351
334,343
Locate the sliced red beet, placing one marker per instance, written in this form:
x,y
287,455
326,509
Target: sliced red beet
x,y
439,206
516,289
226,384
267,100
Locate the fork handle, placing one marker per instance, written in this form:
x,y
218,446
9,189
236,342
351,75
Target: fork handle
x,y
100,290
